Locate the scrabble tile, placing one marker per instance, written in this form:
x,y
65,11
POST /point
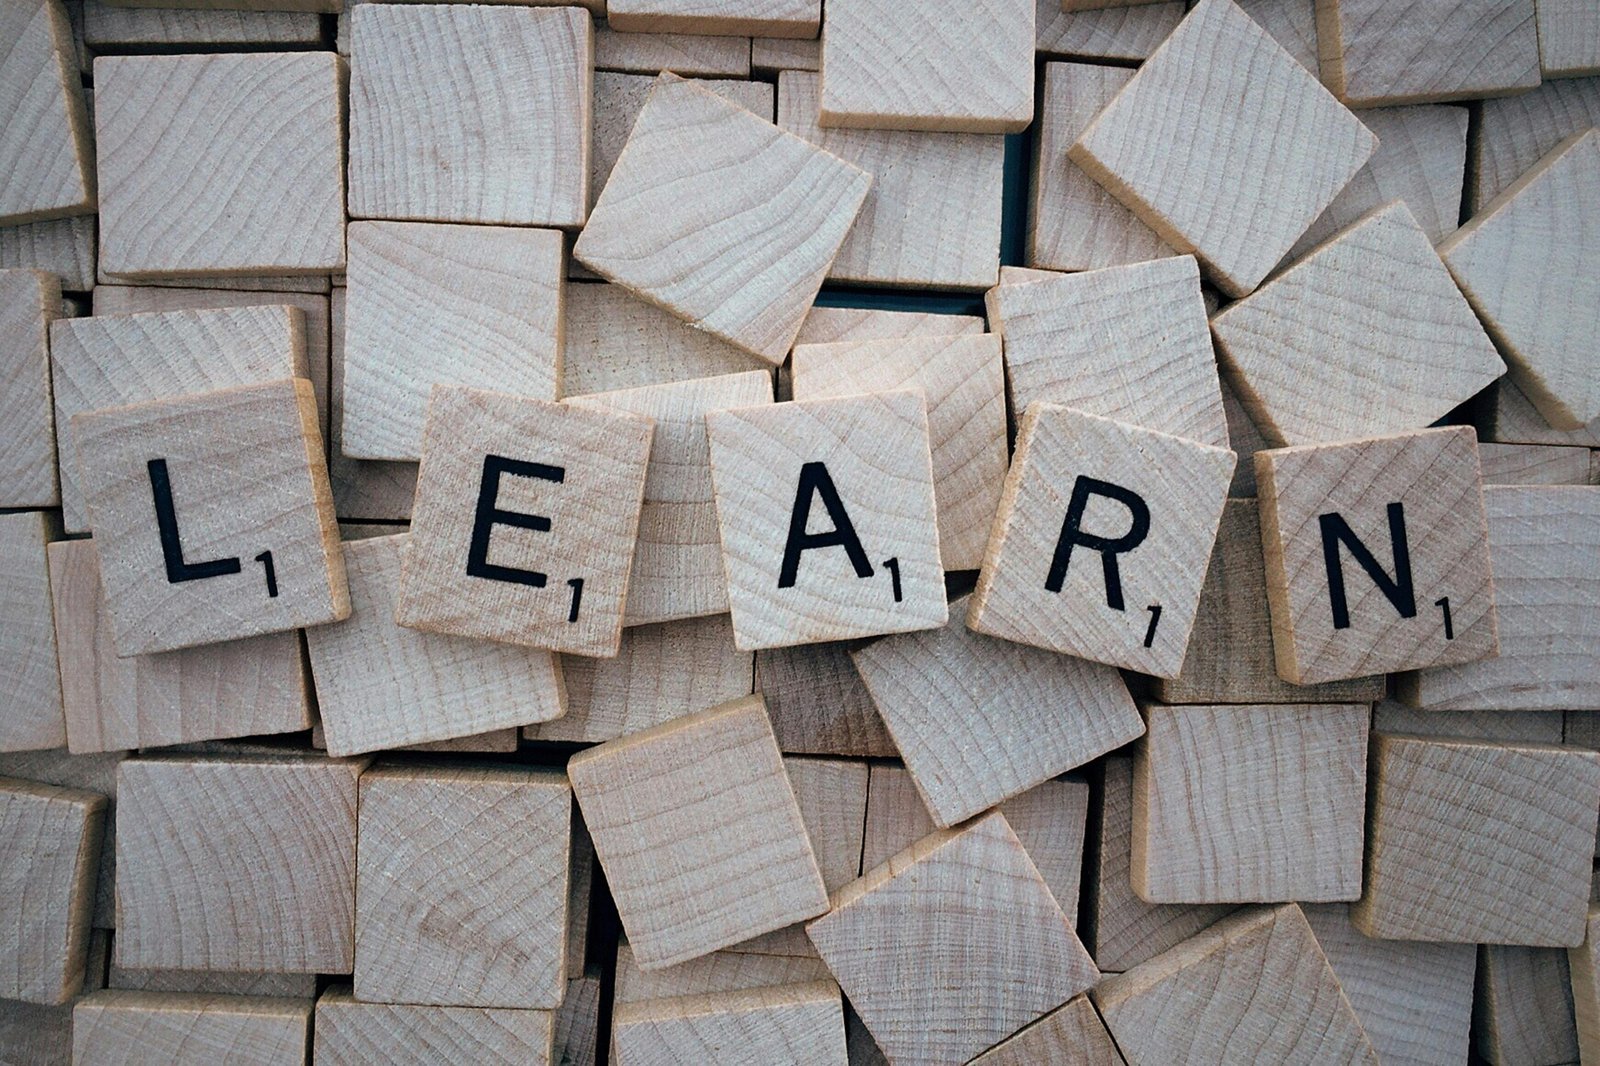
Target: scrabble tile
x,y
714,974
1125,33
770,18
211,164
1423,51
1220,101
817,702
1241,804
45,150
50,851
1292,23
1515,132
932,217
107,28
444,305
489,464
1533,464
112,1028
1395,572
64,247
349,1033
1161,499
827,325
773,55
787,1023
940,964
1569,38
237,863
1584,967
689,54
1126,342
362,488
778,207
1439,806
1536,727
872,564
1524,1006
29,301
963,379
431,139
1521,261
88,773
215,982
1070,1033
1510,417
31,716
380,685
944,77
698,832
1253,988
461,887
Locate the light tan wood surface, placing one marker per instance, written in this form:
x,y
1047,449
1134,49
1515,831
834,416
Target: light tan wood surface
x,y
771,18
1535,727
1125,33
29,301
88,773
897,817
772,55
713,974
576,1025
31,715
688,54
370,489
1510,417
1071,1033
64,247
817,702
829,325
1569,38
1292,23
45,150
785,1023
1515,132
1584,967
118,1028
1533,464
1523,1010
349,1033
214,982
109,28
1051,819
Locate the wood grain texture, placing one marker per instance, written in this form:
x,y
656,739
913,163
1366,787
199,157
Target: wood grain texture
x,y
106,27
1523,1011
1584,967
829,325
1225,105
380,685
1125,33
787,1023
932,216
1245,438
715,974
897,817
688,54
237,863
46,153
89,773
1423,51
215,982
699,833
592,508
817,702
952,945
1184,485
1533,464
1569,38
1534,727
362,488
1292,23
741,256
1515,132
1071,1033
1050,820
122,1028
1429,481
29,301
889,66
350,1033
1255,987
773,55
31,716
576,1039
432,140
1510,417
496,740
721,18
1479,843
64,247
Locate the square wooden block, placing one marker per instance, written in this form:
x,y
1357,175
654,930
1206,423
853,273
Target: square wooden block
x,y
115,1027
703,183
944,77
447,305
746,18
434,138
241,539
1236,804
868,563
380,685
237,863
219,164
46,153
351,1033
31,716
1224,105
1377,555
1072,1033
941,964
1146,504
782,1023
29,301
1521,816
461,887
524,524
699,833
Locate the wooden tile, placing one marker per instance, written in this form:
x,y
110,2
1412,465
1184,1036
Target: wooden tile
x,y
932,217
1584,966
1125,33
1515,132
1533,464
964,381
1220,100
90,773
1292,23
107,28
179,191
191,895
577,1024
1071,1033
444,305
349,1033
45,150
1162,498
362,488
1423,51
215,982
51,847
943,78
1510,417
1569,38
828,325
714,974
431,139
1533,727
1253,988
817,702
1524,1006
380,685
484,490
770,18
29,301
1241,804
772,55
1377,557
1521,261
867,458
1050,820
31,716
667,234
897,817
116,1028
940,964
698,832
688,54
64,247
1439,807
787,1023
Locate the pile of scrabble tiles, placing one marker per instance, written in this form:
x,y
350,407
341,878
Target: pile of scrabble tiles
x,y
733,532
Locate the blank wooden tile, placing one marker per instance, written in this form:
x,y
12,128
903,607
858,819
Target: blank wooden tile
x,y
941,964
817,702
943,76
1071,1033
1523,1011
713,974
932,217
452,305
362,488
698,832
89,773
1253,988
237,863
740,256
688,54
773,55
350,1033
546,565
215,982
1396,576
1533,464
1224,104
380,685
1515,132
1447,859
45,150
770,18
1292,23
1136,608
31,716
1125,33
786,1023
433,138
1423,51
1536,727
64,247
29,301
1584,966
107,28
827,325
118,1028
1569,38
1510,417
